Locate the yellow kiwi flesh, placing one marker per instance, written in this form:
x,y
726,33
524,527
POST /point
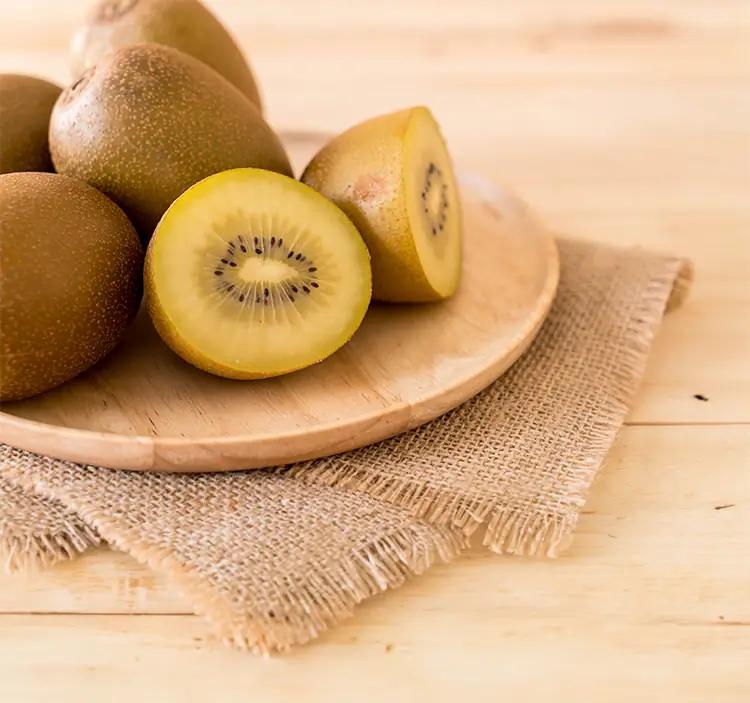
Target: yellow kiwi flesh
x,y
147,122
71,268
252,274
25,107
186,25
393,177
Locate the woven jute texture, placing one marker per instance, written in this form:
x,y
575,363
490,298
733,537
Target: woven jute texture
x,y
273,558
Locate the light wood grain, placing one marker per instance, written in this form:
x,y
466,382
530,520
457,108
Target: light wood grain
x,y
441,658
145,409
627,607
622,120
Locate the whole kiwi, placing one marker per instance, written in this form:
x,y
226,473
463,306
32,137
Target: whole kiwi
x,y
25,107
186,25
147,122
71,278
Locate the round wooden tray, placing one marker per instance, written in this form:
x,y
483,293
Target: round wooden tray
x,y
144,409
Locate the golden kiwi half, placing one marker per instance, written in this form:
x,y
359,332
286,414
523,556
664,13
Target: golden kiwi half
x,y
252,274
393,176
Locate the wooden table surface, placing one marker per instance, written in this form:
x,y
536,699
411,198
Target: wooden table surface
x,y
621,120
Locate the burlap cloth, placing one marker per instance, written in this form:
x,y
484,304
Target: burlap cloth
x,y
273,558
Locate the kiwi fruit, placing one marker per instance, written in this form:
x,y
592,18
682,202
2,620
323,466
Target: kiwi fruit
x,y
186,25
147,122
71,271
251,274
25,107
393,176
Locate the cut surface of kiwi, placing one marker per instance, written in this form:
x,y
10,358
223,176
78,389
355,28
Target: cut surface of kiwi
x,y
393,177
252,274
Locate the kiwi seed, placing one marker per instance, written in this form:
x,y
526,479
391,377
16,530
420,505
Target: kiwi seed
x,y
436,213
232,286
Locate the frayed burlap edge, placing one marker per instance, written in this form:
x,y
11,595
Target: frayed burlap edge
x,y
519,531
327,595
23,553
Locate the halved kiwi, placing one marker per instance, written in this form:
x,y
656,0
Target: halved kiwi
x,y
252,274
393,176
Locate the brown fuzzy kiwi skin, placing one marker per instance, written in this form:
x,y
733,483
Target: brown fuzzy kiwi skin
x,y
71,280
148,122
186,25
25,107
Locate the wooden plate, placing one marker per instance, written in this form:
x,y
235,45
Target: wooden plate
x,y
142,408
